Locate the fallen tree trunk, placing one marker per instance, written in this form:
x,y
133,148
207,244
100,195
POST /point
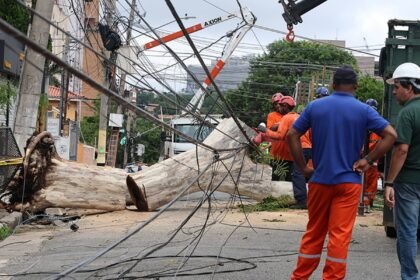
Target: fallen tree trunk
x,y
231,172
75,185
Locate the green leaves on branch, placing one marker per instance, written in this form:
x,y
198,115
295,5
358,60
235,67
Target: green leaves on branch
x,y
15,14
370,87
269,203
150,138
7,94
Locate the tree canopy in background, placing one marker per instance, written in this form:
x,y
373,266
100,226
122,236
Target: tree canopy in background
x,y
89,126
15,14
150,137
279,70
7,92
369,87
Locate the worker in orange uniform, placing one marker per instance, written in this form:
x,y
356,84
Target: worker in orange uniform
x,y
372,174
338,125
286,105
272,123
274,117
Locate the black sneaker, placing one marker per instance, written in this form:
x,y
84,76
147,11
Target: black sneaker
x,y
299,205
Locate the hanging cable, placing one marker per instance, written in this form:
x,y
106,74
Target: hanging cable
x,y
181,25
116,95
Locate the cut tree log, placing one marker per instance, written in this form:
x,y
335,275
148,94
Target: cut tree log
x,y
74,185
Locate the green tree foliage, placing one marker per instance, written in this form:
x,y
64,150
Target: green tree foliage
x,y
90,127
15,14
150,138
211,104
144,98
370,88
279,70
7,93
147,98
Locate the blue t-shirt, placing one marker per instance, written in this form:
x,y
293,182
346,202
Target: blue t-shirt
x,y
339,126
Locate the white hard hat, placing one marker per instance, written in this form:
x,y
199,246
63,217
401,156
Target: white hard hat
x,y
405,70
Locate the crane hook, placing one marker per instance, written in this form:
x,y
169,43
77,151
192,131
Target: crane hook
x,y
290,37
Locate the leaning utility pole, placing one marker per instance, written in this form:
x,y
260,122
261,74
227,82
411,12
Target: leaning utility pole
x,y
64,90
103,115
32,76
122,84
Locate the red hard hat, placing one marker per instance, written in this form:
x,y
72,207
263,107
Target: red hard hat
x,y
276,97
288,100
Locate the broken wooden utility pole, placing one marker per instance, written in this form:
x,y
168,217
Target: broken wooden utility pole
x,y
32,76
64,90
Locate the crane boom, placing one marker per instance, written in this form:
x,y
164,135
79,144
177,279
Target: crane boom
x,y
194,28
175,145
236,37
293,10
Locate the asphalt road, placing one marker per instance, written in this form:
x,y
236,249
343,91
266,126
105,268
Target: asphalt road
x,y
231,246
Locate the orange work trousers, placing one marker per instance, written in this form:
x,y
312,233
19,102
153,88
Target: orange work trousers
x,y
331,209
371,185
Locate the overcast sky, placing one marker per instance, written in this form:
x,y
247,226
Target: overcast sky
x,y
335,19
358,22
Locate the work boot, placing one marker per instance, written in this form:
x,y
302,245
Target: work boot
x,y
367,209
299,205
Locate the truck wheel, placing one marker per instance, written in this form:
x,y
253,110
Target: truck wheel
x,y
390,232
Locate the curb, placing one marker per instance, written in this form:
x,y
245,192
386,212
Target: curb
x,y
11,220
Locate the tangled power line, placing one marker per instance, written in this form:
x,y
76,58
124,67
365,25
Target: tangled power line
x,y
130,268
220,155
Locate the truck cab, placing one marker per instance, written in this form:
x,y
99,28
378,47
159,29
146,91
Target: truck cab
x,y
175,144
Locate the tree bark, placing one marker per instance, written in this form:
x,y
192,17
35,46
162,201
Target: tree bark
x,y
75,185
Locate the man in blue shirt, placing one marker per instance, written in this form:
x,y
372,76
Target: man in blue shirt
x,y
339,125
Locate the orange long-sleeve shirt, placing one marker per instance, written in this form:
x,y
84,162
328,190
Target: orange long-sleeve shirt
x,y
273,118
280,149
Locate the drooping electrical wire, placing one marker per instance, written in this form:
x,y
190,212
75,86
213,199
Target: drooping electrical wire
x,y
181,25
